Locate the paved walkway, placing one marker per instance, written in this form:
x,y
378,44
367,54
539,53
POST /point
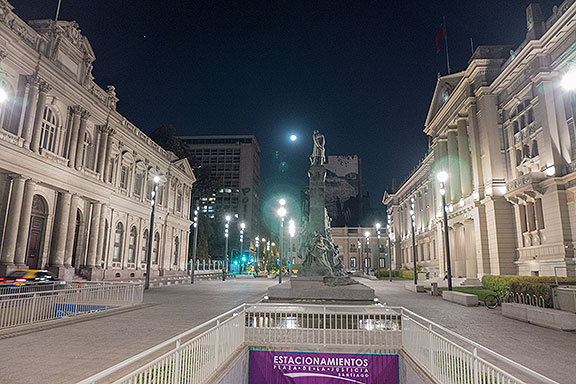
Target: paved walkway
x,y
547,351
74,351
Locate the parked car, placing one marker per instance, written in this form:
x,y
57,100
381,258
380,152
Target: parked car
x,y
34,279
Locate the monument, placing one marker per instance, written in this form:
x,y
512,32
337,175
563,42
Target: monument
x,y
322,276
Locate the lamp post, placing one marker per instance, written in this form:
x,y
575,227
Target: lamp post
x,y
256,264
412,217
194,245
378,245
151,232
282,213
242,227
367,245
225,266
292,232
389,250
442,177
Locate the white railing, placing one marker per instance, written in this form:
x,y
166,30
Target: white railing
x,y
377,329
31,307
448,358
187,360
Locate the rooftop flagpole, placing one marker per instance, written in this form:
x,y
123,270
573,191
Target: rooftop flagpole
x,y
58,10
446,41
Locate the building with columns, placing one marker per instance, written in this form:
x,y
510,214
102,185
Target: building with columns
x,y
356,251
76,176
503,129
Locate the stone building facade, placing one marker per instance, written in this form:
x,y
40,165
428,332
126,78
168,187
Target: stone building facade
x,y
355,252
504,130
75,175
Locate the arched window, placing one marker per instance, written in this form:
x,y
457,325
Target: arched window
x,y
144,252
132,245
176,250
88,152
534,148
118,235
155,248
48,136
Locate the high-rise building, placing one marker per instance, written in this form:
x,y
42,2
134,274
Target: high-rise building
x,y
235,161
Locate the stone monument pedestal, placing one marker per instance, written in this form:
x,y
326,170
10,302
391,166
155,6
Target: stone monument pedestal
x,y
313,289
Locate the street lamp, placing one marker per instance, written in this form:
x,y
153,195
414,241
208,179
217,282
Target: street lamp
x,y
292,232
568,81
242,227
442,177
225,266
282,213
388,230
367,243
194,245
151,232
257,241
412,218
378,245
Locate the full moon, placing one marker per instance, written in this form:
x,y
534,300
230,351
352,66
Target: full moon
x,y
293,137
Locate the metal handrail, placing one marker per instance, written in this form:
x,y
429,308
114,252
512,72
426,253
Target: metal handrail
x,y
433,342
480,347
174,340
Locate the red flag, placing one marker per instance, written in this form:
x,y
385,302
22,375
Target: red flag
x,y
439,37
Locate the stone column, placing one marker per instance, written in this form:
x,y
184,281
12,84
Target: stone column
x,y
81,133
107,168
442,164
28,123
75,110
102,151
454,172
43,90
71,232
475,152
101,235
25,101
24,226
464,155
12,221
93,239
59,232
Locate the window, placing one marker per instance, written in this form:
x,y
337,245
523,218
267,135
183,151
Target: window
x,y
144,252
179,202
118,234
155,248
132,245
48,135
124,177
176,250
138,184
534,148
88,152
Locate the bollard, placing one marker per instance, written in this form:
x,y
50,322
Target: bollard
x,y
434,290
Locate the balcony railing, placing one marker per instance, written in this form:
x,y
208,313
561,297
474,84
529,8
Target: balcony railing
x,y
195,357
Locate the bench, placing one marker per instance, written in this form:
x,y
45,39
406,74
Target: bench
x,y
461,298
418,288
544,317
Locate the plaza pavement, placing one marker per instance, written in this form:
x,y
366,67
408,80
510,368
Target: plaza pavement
x,y
76,350
546,351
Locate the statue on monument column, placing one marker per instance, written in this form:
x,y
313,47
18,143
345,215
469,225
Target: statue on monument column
x,y
318,153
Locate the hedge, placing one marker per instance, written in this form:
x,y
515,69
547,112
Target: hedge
x,y
502,282
400,274
526,285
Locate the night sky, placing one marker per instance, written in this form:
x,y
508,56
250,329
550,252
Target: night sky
x,y
361,72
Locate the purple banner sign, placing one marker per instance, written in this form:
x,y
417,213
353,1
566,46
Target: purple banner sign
x,y
273,367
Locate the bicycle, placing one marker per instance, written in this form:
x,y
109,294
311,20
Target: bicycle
x,y
493,301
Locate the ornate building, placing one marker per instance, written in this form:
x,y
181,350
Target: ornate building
x,y
76,176
504,130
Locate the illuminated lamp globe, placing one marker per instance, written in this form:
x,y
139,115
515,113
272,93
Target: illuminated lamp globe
x,y
568,82
442,176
